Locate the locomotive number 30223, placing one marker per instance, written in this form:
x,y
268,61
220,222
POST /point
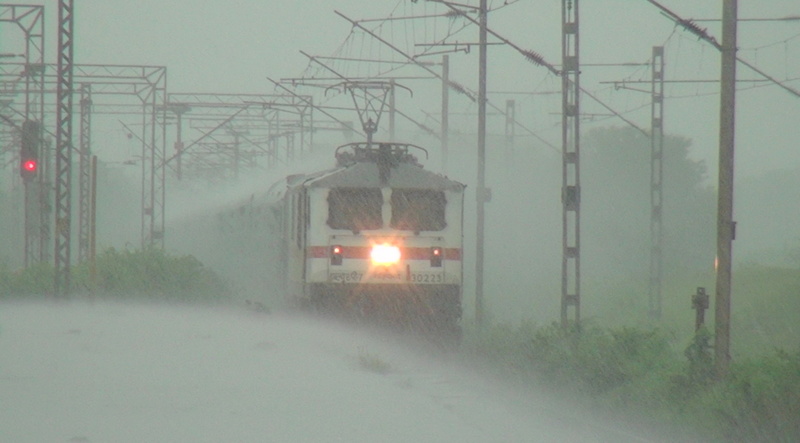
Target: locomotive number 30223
x,y
426,278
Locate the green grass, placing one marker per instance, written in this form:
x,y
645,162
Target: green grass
x,y
765,310
765,307
150,273
661,371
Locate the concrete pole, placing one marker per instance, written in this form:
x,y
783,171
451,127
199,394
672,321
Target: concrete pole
x,y
725,223
482,194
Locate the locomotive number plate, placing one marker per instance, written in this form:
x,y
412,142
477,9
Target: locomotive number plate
x,y
425,277
346,277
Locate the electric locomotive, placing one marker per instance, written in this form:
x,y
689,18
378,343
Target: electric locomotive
x,y
377,236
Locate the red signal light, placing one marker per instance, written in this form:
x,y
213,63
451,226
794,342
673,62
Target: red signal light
x,y
30,165
436,257
28,168
336,255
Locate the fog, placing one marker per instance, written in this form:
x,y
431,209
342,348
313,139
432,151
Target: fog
x,y
232,48
99,372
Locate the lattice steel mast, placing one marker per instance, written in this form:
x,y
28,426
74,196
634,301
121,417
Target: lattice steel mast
x,y
84,174
154,110
656,181
63,148
570,138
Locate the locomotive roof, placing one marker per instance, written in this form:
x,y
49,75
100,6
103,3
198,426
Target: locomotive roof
x,y
367,174
377,165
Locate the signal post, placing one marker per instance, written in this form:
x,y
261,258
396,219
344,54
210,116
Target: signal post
x,y
30,148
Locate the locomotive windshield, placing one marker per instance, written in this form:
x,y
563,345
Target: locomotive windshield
x,y
355,209
418,210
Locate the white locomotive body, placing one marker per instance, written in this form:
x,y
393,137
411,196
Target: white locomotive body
x,y
376,235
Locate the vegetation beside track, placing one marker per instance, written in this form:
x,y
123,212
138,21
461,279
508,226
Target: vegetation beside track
x,y
660,374
651,373
150,274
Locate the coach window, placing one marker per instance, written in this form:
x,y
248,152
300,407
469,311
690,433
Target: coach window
x,y
355,209
418,210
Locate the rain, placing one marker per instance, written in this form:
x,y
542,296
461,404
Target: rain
x,y
178,324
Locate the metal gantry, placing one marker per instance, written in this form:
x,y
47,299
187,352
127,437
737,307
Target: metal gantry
x,y
113,88
571,184
109,89
656,181
231,130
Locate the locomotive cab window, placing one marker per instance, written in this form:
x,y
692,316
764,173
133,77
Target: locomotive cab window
x,y
355,209
418,210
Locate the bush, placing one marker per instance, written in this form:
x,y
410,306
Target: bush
x,y
597,360
758,402
149,273
637,371
36,280
592,360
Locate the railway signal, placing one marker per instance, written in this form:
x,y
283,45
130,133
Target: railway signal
x,y
29,150
29,167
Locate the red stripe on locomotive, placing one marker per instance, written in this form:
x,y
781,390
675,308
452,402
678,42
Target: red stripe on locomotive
x,y
363,252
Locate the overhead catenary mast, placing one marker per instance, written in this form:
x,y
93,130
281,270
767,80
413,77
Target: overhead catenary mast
x,y
483,194
571,184
725,223
656,181
63,149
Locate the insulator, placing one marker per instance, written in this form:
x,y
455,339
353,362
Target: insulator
x,y
533,57
693,28
460,89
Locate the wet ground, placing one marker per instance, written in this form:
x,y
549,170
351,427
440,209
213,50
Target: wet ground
x,y
114,372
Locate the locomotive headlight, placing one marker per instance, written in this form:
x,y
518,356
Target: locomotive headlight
x,y
385,254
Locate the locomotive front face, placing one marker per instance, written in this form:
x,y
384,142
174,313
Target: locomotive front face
x,y
379,235
384,236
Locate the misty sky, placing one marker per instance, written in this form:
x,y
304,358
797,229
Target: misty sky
x,y
233,46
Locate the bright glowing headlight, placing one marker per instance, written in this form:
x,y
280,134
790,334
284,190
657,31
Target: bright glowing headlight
x,y
385,254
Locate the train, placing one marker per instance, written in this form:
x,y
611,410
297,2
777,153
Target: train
x,y
377,236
